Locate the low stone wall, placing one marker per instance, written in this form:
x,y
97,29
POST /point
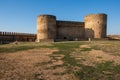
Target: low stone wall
x,y
7,37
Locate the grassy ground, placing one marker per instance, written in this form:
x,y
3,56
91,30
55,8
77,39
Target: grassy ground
x,y
105,70
7,48
95,60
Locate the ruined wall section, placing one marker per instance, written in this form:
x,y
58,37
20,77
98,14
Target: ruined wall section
x,y
70,30
46,27
95,26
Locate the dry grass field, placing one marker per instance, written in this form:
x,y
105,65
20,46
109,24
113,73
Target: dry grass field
x,y
82,60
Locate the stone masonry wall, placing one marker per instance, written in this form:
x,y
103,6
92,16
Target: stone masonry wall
x,y
95,26
70,30
46,27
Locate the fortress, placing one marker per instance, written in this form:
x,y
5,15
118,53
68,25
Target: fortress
x,y
50,29
93,27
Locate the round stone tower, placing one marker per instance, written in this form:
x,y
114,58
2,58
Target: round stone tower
x,y
95,26
46,27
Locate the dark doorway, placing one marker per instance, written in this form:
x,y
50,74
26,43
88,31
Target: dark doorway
x,y
65,38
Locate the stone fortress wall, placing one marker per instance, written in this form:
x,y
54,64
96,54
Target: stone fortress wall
x,y
70,30
48,28
94,27
8,37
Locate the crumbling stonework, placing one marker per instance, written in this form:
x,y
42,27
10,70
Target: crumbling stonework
x,y
48,28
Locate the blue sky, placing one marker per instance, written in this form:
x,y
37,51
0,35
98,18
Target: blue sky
x,y
20,15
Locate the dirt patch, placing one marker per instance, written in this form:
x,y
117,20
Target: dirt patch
x,y
20,65
100,56
35,64
96,56
85,46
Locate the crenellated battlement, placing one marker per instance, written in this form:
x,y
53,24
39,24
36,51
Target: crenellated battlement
x,y
7,37
70,23
48,16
